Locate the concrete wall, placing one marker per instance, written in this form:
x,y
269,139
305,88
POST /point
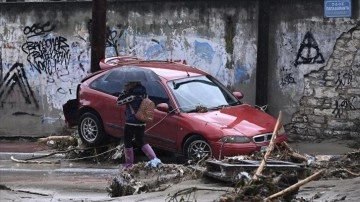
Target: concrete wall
x,y
45,50
315,70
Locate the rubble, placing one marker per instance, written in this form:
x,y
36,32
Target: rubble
x,y
142,178
280,184
283,172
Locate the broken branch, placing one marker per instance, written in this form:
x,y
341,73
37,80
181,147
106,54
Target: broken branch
x,y
38,162
269,149
346,171
294,186
293,154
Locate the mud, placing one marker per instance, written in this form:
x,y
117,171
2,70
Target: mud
x,y
339,183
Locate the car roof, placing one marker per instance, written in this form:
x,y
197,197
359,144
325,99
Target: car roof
x,y
170,70
167,70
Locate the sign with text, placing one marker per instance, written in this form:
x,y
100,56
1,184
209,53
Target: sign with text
x,y
337,8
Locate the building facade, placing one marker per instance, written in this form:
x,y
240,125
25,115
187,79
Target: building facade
x,y
307,64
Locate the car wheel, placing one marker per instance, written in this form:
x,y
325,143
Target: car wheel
x,y
196,148
91,129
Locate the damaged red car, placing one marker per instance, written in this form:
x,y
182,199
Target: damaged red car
x,y
195,114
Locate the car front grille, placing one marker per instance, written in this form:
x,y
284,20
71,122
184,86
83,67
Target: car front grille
x,y
262,138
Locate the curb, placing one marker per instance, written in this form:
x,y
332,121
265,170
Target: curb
x,y
21,156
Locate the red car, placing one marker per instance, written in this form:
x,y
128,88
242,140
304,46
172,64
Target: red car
x,y
195,114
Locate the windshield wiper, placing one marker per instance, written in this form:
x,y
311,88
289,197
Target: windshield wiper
x,y
235,103
219,107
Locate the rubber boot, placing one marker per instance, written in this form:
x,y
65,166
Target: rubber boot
x,y
129,157
149,152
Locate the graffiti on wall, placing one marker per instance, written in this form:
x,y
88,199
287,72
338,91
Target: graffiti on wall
x,y
52,68
196,51
114,37
16,77
309,51
287,76
47,54
38,29
344,78
345,104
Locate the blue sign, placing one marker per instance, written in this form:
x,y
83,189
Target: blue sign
x,y
337,8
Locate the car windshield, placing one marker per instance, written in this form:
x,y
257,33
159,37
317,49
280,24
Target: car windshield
x,y
201,93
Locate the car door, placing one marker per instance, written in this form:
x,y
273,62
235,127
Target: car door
x,y
112,115
164,131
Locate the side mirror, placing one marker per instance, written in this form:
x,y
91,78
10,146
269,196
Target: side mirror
x,y
238,95
164,107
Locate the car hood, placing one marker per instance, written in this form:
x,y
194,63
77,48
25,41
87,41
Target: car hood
x,y
243,118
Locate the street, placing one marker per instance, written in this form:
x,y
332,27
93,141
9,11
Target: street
x,y
44,182
71,181
87,181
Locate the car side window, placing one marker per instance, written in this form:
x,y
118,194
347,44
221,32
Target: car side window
x,y
157,93
108,86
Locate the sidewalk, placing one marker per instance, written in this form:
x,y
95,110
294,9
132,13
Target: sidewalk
x,y
327,147
22,148
21,145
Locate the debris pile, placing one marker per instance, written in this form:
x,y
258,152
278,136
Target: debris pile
x,y
276,174
338,167
283,186
142,178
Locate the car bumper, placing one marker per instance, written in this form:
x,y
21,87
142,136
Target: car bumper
x,y
221,150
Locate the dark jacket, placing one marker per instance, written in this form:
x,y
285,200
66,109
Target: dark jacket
x,y
133,97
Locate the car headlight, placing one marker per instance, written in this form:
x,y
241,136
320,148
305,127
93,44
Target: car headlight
x,y
281,131
235,139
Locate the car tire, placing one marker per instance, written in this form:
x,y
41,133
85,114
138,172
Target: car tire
x,y
196,147
91,130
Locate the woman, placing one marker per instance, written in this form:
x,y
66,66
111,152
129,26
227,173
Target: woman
x,y
132,96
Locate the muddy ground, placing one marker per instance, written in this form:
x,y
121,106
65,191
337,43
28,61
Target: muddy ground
x,y
339,182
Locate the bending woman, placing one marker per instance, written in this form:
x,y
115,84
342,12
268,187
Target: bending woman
x,y
132,96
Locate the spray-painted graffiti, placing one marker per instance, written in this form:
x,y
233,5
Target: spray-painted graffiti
x,y
344,78
287,77
113,37
47,54
196,51
16,77
346,104
309,51
38,29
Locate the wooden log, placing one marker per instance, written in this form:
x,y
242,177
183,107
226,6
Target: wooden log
x,y
295,186
269,149
294,154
